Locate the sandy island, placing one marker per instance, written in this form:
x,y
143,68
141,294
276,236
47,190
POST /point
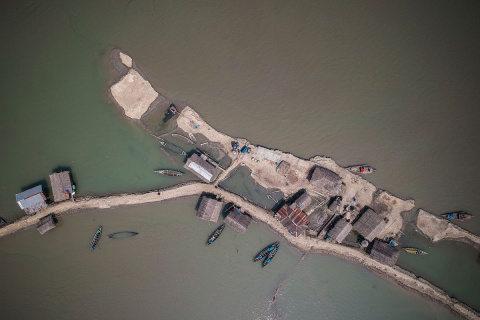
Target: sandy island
x,y
135,97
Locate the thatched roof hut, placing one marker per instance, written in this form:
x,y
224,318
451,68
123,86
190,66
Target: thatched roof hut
x,y
202,168
31,200
369,225
304,201
340,231
209,209
47,223
384,253
326,180
61,186
238,220
293,219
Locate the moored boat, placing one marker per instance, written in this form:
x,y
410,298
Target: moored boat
x,y
215,235
270,256
183,138
364,169
173,148
262,254
96,238
122,234
458,215
170,173
414,251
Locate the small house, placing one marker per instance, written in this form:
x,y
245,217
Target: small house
x,y
209,209
304,201
340,231
369,225
384,253
327,181
47,223
238,220
200,166
61,186
31,200
293,219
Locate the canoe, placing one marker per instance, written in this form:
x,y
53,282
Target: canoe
x,y
270,256
122,234
96,238
262,254
215,235
183,138
414,251
170,173
363,169
173,148
458,215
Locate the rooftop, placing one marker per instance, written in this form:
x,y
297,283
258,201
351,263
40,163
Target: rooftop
x,y
326,180
47,223
369,225
293,219
209,209
238,220
61,186
202,168
340,231
31,200
384,253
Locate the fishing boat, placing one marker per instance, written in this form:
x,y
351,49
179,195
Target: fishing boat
x,y
459,215
414,251
183,138
2,222
170,173
364,169
270,256
122,234
262,254
96,238
215,235
173,148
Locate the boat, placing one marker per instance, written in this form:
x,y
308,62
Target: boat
x,y
122,234
262,254
170,113
364,169
96,238
414,251
2,222
170,173
173,148
270,256
215,235
183,138
459,215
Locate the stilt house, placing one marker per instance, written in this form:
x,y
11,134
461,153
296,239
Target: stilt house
x,y
238,220
209,209
384,253
61,186
293,219
369,225
47,223
340,231
327,181
31,200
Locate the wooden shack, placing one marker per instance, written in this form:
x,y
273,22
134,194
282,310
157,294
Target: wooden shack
x,y
61,186
340,231
47,223
209,209
200,166
31,200
327,181
238,220
369,225
384,253
293,219
304,201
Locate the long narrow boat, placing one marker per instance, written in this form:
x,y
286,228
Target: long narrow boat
x,y
96,238
215,235
262,254
270,256
364,169
173,148
122,234
414,251
170,173
458,215
183,138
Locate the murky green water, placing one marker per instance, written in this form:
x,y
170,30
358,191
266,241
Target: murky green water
x,y
393,85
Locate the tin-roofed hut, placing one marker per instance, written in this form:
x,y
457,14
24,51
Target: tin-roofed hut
x,y
238,220
61,186
209,209
293,219
47,223
369,225
327,181
384,253
31,200
202,168
340,231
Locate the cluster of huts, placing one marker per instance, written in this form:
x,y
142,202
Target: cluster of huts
x,y
34,200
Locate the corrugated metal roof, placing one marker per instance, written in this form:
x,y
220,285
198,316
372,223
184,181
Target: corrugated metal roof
x,y
201,171
28,193
269,154
31,201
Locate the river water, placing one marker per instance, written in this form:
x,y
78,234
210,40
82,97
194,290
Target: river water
x,y
394,85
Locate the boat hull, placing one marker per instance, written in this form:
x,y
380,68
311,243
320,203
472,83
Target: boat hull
x,y
270,256
215,235
415,251
96,238
264,252
122,234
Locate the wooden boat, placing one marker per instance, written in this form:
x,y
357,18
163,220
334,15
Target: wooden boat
x,y
215,235
173,148
170,173
363,169
96,238
270,256
2,222
414,251
262,254
183,138
122,234
459,215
